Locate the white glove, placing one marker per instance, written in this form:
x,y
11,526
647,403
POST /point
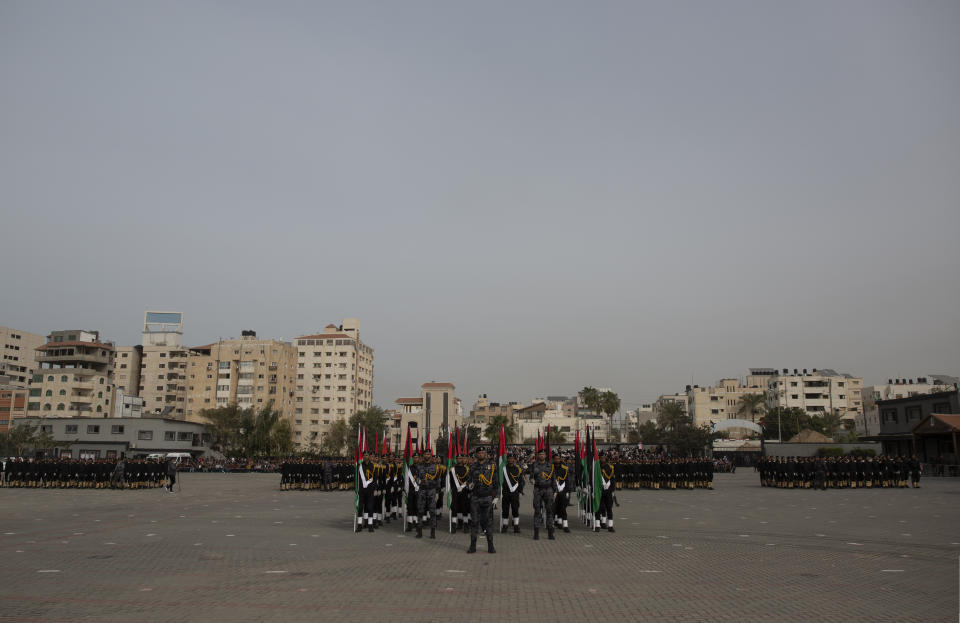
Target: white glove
x,y
495,500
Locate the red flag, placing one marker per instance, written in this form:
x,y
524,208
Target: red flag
x,y
466,450
408,450
458,441
538,440
548,442
450,446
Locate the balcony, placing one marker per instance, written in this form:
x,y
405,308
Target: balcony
x,y
81,399
69,354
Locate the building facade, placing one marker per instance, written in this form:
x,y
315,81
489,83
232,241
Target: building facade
x,y
18,350
899,418
817,392
484,411
126,369
721,401
98,438
869,423
13,403
163,363
439,407
249,372
334,380
75,377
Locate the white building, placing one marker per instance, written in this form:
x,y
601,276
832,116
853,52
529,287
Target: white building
x,y
817,392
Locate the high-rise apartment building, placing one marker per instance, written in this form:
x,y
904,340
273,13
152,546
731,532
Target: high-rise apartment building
x,y
722,401
13,403
817,392
18,355
163,362
334,380
75,377
126,369
249,372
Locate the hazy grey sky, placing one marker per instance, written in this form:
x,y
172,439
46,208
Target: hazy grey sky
x,y
522,198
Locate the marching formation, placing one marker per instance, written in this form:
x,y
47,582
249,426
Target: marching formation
x,y
327,474
659,472
87,473
839,473
471,486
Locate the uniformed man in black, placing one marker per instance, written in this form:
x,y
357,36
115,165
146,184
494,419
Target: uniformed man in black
x,y
484,485
561,476
541,473
512,488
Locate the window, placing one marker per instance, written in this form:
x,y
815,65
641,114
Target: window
x,y
93,429
889,415
116,429
145,435
63,379
913,413
46,428
49,392
181,436
50,378
72,429
169,435
60,407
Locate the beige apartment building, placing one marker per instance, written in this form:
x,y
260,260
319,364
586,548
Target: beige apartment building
x,y
126,369
249,372
163,363
664,399
19,355
13,403
75,377
817,392
483,411
721,401
334,380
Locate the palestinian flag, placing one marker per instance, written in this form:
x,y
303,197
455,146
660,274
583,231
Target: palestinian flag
x,y
597,478
361,446
501,457
548,444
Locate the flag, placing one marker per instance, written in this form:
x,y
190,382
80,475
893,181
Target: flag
x,y
539,441
597,478
450,455
501,457
548,441
356,475
576,450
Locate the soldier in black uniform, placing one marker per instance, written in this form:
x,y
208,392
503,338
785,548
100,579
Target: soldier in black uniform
x,y
563,482
511,490
366,485
460,495
483,485
604,515
541,474
429,479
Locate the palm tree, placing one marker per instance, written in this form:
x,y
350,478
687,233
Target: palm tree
x,y
557,436
750,405
591,399
672,417
492,430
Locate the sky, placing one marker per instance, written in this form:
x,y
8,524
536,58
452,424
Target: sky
x,y
521,198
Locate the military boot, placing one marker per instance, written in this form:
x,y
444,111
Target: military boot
x,y
550,535
433,533
419,531
536,534
473,545
490,549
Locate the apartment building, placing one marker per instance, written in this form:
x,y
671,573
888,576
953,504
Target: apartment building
x,y
721,401
334,380
484,411
895,389
439,407
817,392
18,355
126,369
665,399
13,403
163,363
75,377
248,372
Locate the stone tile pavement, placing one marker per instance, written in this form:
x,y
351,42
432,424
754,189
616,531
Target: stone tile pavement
x,y
232,547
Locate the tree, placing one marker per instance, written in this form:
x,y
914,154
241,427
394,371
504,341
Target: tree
x,y
372,419
557,436
750,406
648,433
44,441
492,430
591,399
633,436
672,417
473,437
784,422
18,438
609,403
333,443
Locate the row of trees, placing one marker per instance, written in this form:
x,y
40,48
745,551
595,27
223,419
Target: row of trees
x,y
23,438
238,432
675,430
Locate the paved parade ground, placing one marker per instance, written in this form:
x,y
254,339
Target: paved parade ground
x,y
232,547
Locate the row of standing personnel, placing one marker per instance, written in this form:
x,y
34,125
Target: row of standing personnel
x,y
329,474
63,473
476,489
839,473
